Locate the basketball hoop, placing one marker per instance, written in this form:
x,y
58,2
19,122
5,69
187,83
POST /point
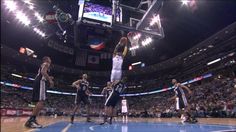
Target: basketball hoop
x,y
134,39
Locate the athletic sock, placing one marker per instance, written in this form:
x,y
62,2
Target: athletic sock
x,y
105,118
88,119
110,120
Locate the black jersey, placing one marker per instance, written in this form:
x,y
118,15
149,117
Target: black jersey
x,y
84,85
119,87
39,76
39,86
179,92
107,92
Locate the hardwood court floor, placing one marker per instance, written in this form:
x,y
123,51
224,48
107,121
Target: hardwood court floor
x,y
16,124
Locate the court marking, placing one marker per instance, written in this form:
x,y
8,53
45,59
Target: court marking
x,y
66,128
32,130
218,125
230,130
92,127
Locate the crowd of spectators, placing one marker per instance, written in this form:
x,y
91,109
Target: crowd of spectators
x,y
214,97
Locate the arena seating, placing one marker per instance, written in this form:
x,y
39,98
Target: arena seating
x,y
214,97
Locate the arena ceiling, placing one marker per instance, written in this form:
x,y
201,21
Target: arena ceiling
x,y
184,28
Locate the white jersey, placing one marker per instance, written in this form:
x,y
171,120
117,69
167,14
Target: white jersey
x,y
117,62
124,108
124,103
116,72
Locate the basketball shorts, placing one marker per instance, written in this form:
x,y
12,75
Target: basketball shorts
x,y
39,90
113,99
82,98
116,75
181,103
116,72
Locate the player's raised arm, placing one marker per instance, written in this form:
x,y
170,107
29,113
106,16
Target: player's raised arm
x,y
115,50
76,83
124,42
125,51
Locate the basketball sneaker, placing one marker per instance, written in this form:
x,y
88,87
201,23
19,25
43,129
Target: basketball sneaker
x,y
72,119
88,119
33,124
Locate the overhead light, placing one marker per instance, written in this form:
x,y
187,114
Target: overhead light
x,y
38,16
39,32
10,5
27,2
31,7
43,35
185,2
23,18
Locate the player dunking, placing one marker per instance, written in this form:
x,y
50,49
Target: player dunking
x,y
114,97
124,109
117,60
39,91
181,101
82,95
